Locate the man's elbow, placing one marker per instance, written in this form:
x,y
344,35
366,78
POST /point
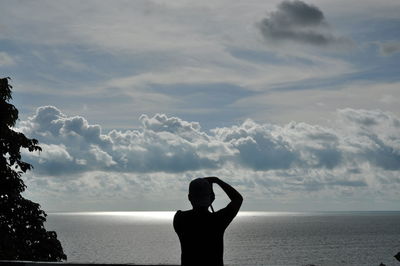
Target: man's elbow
x,y
239,199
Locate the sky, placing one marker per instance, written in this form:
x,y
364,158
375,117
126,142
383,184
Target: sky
x,y
294,103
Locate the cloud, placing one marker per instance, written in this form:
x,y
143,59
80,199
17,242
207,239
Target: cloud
x,y
357,157
374,137
370,118
190,49
165,144
299,22
389,48
170,144
6,60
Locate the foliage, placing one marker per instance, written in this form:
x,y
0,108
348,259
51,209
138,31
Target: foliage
x,y
22,233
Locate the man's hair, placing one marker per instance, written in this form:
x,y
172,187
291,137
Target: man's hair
x,y
201,192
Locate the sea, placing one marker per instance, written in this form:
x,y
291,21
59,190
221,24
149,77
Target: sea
x,y
253,238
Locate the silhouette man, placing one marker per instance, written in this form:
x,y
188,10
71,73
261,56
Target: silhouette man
x,y
201,232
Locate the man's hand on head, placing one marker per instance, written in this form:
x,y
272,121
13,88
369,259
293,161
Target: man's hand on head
x,y
211,179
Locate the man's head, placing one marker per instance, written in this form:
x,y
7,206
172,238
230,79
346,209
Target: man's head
x,y
201,193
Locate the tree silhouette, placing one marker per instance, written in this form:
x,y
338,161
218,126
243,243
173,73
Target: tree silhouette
x,y
22,233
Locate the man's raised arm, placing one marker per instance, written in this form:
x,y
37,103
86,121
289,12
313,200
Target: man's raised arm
x,y
233,194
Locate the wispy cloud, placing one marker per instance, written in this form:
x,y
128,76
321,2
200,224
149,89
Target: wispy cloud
x,y
389,48
206,61
6,59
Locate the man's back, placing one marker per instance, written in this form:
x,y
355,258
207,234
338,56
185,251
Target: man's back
x,y
200,232
202,235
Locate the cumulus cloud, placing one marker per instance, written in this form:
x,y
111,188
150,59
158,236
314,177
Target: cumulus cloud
x,y
360,155
299,22
373,137
170,144
166,144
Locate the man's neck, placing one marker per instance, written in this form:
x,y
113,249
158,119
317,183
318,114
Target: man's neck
x,y
200,209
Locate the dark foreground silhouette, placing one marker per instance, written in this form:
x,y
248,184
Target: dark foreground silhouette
x,y
22,232
201,232
397,256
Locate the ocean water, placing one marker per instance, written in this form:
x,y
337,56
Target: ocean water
x,y
253,238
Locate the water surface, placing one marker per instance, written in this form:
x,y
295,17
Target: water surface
x,y
254,238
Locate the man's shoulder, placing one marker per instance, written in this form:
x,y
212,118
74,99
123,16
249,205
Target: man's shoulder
x,y
226,215
180,218
181,214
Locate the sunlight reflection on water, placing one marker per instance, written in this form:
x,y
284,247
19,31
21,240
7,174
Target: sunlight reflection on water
x,y
161,215
168,215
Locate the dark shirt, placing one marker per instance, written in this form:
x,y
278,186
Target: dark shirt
x,y
201,234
